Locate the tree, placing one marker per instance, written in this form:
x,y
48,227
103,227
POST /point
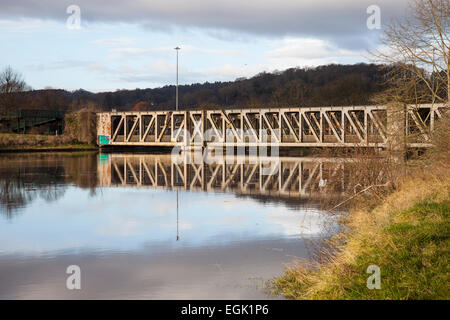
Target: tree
x,y
11,85
108,100
417,54
418,49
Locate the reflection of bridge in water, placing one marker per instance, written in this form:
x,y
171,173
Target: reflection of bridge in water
x,y
278,177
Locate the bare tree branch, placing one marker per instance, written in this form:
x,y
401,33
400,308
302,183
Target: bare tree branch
x,y
11,86
417,49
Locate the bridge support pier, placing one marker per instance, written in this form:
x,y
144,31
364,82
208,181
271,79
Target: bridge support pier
x,y
396,145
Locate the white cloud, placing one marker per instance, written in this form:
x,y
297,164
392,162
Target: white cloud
x,y
307,52
114,42
230,53
24,25
97,67
124,52
308,48
137,51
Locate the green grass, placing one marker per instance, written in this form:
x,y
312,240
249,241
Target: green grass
x,y
412,251
414,260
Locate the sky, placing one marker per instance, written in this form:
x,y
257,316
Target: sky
x,y
130,44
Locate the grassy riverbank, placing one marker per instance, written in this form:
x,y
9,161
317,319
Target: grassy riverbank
x,y
34,142
407,236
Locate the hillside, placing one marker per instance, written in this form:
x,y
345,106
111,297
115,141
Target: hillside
x,y
323,85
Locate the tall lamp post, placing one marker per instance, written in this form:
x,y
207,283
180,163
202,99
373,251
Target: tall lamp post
x,y
178,236
176,103
176,107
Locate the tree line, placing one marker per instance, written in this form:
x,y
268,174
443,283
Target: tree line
x,y
332,84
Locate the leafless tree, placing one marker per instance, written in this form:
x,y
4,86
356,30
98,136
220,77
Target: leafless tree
x,y
417,49
11,86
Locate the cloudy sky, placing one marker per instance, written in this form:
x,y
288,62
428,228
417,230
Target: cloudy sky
x,y
129,44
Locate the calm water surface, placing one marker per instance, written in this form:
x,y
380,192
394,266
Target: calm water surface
x,y
141,226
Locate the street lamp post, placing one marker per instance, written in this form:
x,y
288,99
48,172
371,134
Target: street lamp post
x,y
176,107
178,235
176,103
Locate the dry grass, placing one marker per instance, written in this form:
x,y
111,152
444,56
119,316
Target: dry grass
x,y
373,238
369,176
33,141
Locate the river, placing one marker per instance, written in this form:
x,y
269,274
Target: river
x,y
143,226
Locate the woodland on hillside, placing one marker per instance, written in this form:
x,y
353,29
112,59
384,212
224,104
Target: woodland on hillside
x,y
324,85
